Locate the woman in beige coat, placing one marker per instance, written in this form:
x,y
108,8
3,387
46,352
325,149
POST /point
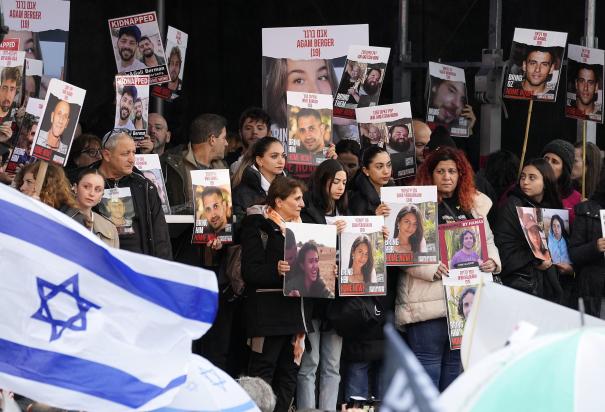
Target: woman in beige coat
x,y
89,189
420,305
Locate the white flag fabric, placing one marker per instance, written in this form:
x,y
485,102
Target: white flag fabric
x,y
84,326
209,389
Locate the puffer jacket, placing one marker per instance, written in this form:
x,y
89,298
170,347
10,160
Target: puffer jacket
x,y
419,296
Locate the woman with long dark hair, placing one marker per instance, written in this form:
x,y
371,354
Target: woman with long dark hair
x,y
409,230
537,188
361,262
557,240
420,305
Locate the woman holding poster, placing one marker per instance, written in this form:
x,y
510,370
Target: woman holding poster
x,y
327,196
275,324
420,305
523,269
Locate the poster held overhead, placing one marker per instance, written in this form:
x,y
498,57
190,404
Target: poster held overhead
x,y
20,154
176,48
447,98
132,105
585,72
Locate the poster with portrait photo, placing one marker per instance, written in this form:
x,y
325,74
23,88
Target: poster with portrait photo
x,y
446,99
585,72
60,115
117,205
536,58
11,73
20,155
463,243
149,165
176,48
132,105
42,27
362,259
138,48
532,224
557,230
390,126
412,225
460,288
212,206
361,79
309,60
310,250
309,124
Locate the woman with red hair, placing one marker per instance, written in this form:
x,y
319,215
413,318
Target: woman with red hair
x,y
420,305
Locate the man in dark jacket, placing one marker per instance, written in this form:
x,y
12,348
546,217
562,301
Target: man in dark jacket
x,y
145,229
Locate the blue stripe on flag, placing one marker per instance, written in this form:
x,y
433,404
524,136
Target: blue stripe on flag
x,y
69,372
239,408
188,301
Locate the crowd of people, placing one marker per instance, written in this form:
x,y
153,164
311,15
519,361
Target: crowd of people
x,y
292,342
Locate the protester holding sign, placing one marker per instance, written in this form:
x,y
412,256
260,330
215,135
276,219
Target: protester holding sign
x,y
420,306
536,187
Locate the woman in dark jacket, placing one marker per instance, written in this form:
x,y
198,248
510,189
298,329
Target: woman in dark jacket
x,y
537,188
364,198
587,247
326,197
275,324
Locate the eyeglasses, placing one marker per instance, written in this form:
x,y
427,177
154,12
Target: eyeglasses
x,y
112,133
92,152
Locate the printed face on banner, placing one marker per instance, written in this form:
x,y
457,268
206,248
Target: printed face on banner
x,y
390,126
307,60
138,48
532,224
28,128
117,206
447,98
310,121
42,28
537,58
60,116
132,103
556,228
585,83
463,243
412,225
212,206
311,252
150,165
176,47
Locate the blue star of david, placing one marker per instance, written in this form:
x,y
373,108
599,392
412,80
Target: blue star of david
x,y
212,377
48,291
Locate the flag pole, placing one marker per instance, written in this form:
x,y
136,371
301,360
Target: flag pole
x,y
529,109
40,178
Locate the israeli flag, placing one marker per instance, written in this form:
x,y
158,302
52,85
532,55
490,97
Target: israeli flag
x,y
87,327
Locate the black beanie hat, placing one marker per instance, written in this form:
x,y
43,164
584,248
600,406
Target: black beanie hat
x,y
564,150
440,137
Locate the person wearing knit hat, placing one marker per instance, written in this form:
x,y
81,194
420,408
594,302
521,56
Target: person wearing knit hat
x,y
560,155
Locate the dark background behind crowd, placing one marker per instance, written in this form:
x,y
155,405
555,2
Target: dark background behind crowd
x,y
223,62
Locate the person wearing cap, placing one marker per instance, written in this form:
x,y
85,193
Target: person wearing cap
x,y
129,95
560,155
528,268
127,44
149,234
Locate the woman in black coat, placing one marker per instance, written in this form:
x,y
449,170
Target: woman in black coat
x,y
587,247
275,324
537,188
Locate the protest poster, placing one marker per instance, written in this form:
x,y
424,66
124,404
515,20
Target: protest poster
x,y
536,58
149,165
447,98
460,287
176,48
556,228
132,105
11,73
42,28
310,121
60,114
310,250
532,225
212,206
309,60
361,79
117,206
20,154
585,72
137,46
412,225
463,243
362,260
390,126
